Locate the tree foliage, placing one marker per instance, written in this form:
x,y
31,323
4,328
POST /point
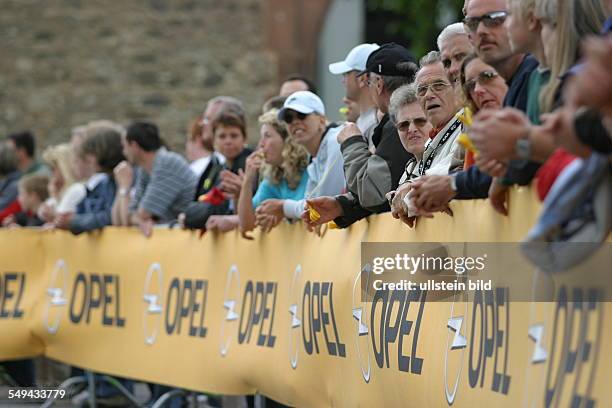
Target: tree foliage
x,y
418,22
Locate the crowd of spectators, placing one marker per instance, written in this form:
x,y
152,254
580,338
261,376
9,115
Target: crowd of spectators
x,y
516,94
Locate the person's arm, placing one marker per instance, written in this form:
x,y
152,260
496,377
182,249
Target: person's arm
x,y
351,210
371,176
246,202
293,209
97,219
472,183
246,210
162,190
120,213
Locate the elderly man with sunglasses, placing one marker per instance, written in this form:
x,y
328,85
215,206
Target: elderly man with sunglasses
x,y
442,155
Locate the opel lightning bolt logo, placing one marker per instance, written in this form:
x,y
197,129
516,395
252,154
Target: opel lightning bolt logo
x,y
459,342
232,287
294,309
536,333
152,295
56,291
360,314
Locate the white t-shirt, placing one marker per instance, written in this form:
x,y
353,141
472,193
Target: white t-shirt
x,y
71,198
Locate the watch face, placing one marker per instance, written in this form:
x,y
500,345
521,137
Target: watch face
x,y
523,148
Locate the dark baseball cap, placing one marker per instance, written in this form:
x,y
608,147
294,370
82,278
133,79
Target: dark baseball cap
x,y
392,59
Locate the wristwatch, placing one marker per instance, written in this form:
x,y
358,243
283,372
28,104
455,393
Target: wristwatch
x,y
123,192
522,146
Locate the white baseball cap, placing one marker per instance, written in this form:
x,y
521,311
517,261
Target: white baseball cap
x,y
304,102
355,60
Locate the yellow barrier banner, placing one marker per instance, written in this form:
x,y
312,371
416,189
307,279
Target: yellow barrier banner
x,y
288,315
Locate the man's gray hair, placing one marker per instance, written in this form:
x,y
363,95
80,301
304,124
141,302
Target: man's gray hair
x,y
432,57
402,96
229,102
450,31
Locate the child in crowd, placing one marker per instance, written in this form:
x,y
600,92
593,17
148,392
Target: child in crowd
x,y
32,194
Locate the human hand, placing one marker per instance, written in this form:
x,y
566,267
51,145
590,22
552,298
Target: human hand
x,y
327,208
499,197
432,194
124,175
267,221
46,212
254,163
350,130
221,223
62,221
231,183
271,206
494,133
492,167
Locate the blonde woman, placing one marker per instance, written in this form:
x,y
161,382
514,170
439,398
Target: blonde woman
x,y
283,164
65,190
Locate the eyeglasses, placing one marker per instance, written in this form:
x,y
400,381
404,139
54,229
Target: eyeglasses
x,y
404,126
493,19
482,78
291,115
434,86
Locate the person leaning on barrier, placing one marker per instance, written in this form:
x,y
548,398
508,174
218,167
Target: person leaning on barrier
x,y
214,207
65,189
283,163
484,88
412,126
164,184
304,114
33,192
442,155
370,175
95,158
515,138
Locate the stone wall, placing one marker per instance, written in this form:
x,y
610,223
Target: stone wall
x,y
66,62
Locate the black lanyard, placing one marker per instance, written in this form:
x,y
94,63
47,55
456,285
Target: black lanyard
x,y
425,165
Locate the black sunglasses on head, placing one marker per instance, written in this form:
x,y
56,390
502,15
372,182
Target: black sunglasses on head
x,y
291,115
493,19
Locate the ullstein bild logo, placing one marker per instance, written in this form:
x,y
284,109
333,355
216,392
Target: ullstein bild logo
x,y
56,292
296,322
231,296
152,295
360,313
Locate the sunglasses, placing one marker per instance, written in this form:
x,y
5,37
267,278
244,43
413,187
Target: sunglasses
x,y
291,115
404,126
434,86
493,19
482,78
